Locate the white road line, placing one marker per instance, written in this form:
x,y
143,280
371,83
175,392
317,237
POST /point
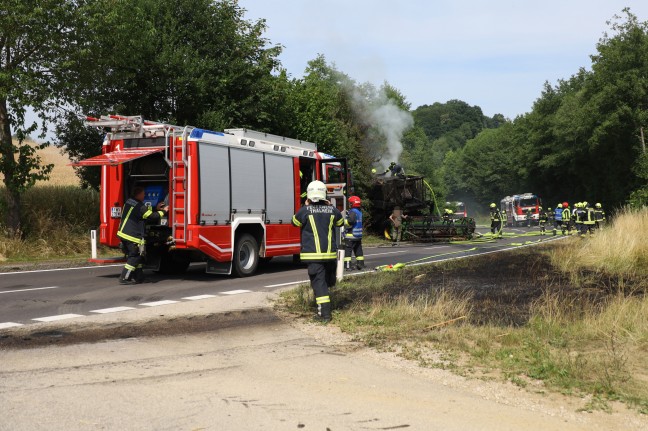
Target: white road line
x,y
437,247
29,290
387,252
158,303
290,283
59,269
235,292
198,297
6,325
112,310
58,317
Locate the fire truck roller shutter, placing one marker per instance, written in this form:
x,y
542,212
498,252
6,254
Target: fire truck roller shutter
x,y
280,195
248,182
214,184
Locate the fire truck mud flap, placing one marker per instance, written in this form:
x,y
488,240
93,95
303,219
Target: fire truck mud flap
x,y
218,268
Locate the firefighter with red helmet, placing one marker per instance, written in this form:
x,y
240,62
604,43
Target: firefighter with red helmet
x,y
353,234
566,218
318,220
132,231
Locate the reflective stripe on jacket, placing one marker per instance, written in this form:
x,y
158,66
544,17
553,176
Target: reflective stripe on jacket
x,y
353,224
134,216
319,239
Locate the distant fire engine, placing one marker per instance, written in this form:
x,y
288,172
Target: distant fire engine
x,y
517,208
231,194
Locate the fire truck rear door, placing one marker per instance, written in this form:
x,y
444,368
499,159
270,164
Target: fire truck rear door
x,y
117,157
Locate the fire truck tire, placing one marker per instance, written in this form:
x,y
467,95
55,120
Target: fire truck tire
x,y
246,255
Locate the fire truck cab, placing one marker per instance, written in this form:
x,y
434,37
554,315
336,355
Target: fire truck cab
x,y
518,206
231,194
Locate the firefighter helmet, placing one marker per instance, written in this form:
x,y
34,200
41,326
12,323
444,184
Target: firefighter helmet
x,y
493,205
598,205
355,202
316,191
565,204
549,209
559,206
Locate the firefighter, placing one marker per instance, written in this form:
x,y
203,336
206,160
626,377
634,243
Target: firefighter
x,y
496,220
542,220
557,219
132,231
599,215
529,217
566,218
396,170
447,216
318,220
589,219
353,234
578,216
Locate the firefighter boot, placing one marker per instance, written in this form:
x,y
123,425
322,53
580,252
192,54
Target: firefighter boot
x,y
138,275
323,312
125,277
347,265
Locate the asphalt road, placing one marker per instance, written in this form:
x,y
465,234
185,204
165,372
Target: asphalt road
x,y
58,294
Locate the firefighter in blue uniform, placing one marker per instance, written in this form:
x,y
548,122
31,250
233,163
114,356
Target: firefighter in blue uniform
x,y
318,221
353,234
132,231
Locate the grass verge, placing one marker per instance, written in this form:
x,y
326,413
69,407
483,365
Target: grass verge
x,y
517,316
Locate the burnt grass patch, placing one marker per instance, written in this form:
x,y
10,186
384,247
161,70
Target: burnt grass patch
x,y
502,287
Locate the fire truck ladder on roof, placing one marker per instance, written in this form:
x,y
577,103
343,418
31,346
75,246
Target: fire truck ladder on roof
x,y
178,200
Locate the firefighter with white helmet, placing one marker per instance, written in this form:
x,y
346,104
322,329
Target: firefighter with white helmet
x,y
353,234
318,221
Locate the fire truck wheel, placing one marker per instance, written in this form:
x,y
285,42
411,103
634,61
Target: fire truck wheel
x,y
246,255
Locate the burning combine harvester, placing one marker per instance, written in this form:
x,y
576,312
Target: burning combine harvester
x,y
414,196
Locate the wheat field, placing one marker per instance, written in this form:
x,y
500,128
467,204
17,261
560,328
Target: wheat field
x,y
62,174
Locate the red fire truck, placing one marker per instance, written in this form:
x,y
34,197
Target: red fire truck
x,y
519,207
231,194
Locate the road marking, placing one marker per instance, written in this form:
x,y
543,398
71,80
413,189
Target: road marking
x,y
58,317
58,269
437,247
387,252
235,292
6,325
112,310
158,303
196,298
290,283
29,290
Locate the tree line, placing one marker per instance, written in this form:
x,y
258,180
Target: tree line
x,y
200,62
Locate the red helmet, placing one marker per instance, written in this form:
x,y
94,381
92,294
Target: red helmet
x,y
355,202
565,204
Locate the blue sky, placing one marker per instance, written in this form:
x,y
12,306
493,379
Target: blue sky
x,y
496,55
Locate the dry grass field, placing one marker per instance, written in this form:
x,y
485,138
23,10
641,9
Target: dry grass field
x,y
62,174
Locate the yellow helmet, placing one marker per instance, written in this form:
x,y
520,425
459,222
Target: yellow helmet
x,y
493,205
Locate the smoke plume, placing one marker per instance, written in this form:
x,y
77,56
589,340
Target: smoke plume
x,y
385,119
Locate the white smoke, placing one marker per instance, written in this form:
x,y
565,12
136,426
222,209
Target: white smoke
x,y
386,118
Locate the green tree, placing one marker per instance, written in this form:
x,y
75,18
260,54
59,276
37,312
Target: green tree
x,y
195,62
38,40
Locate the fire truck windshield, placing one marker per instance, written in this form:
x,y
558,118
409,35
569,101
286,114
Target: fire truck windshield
x,y
529,202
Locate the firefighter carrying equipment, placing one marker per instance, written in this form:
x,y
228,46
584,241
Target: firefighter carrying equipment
x,y
132,228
